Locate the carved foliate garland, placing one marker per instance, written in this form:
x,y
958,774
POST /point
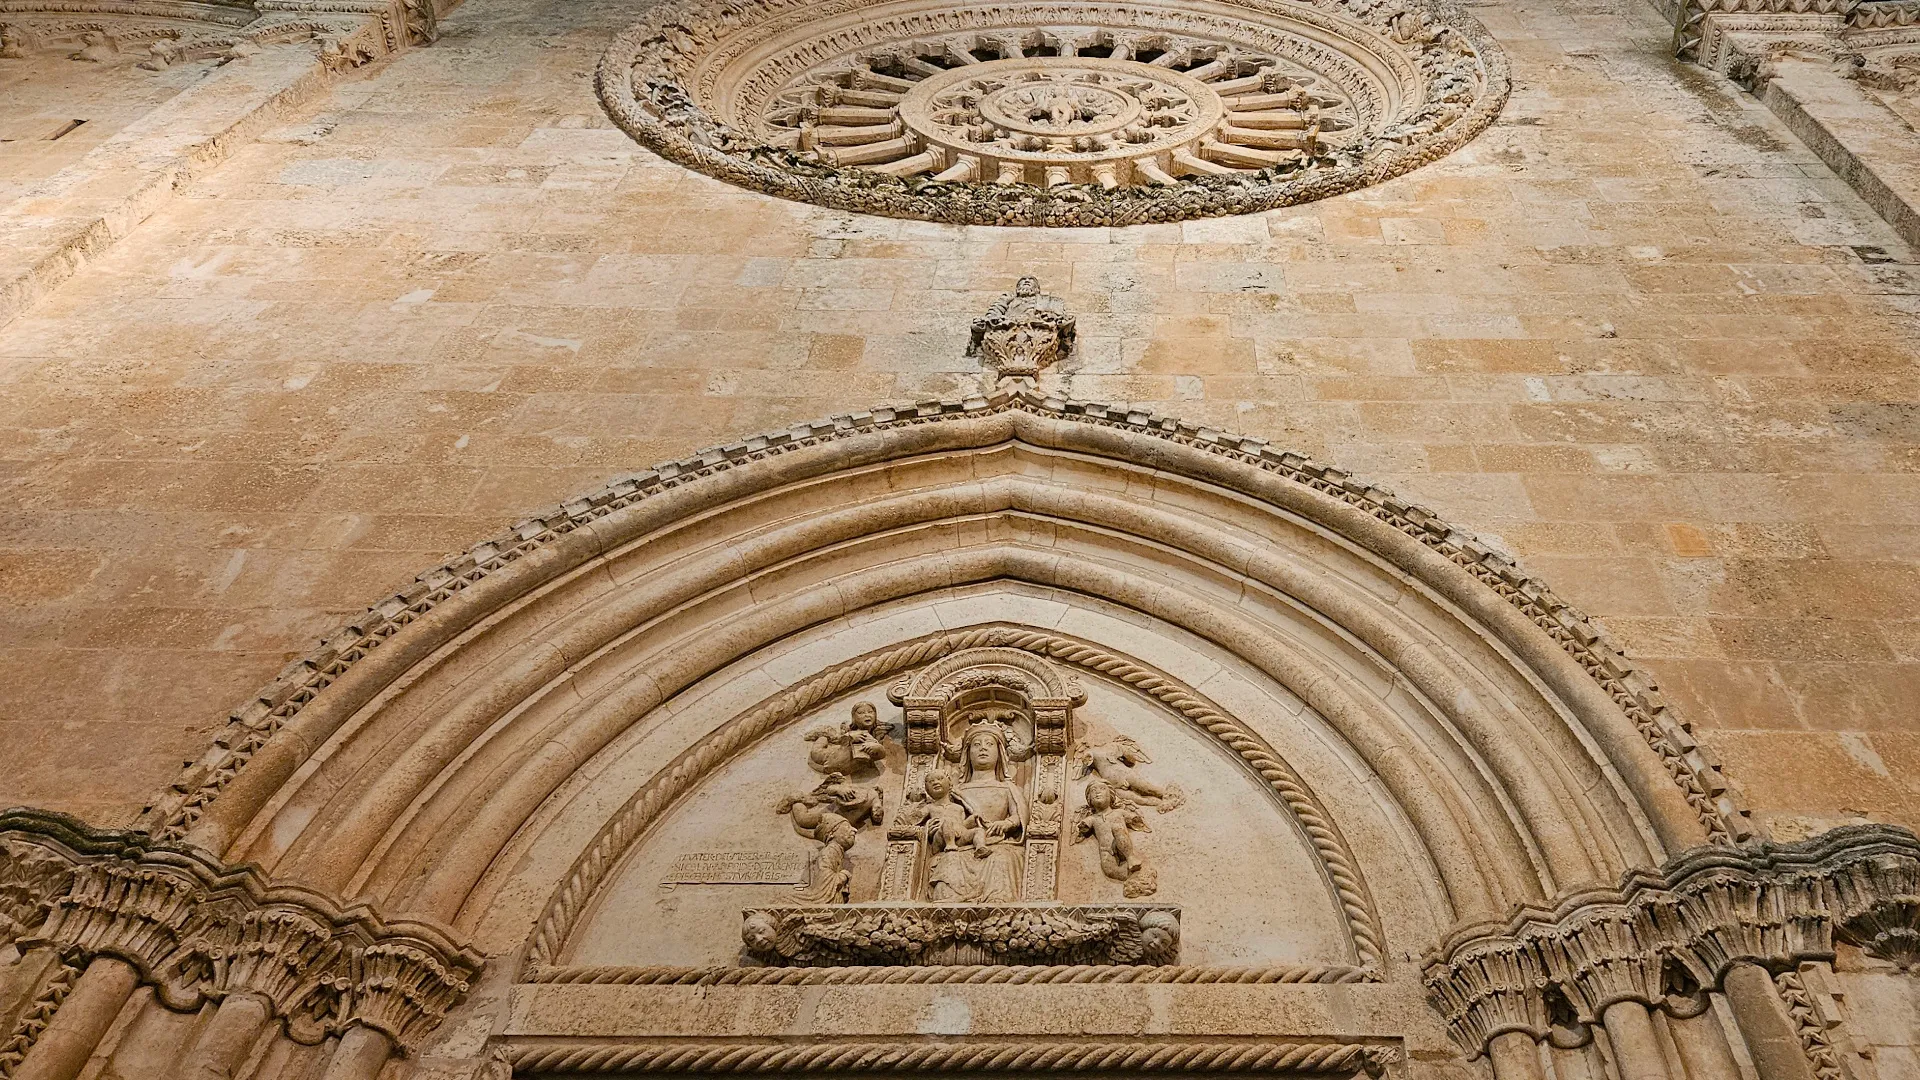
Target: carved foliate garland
x,y
1775,905
199,931
254,724
1053,112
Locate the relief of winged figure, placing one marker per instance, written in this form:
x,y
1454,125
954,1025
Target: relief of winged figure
x,y
1117,762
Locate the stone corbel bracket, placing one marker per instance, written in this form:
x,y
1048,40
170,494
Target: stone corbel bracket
x,y
1709,908
197,931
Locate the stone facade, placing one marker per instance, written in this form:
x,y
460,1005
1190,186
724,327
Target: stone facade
x,y
1433,598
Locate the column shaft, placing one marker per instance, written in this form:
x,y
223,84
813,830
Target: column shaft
x,y
223,1046
152,1045
1515,1056
78,1025
1703,1048
1765,1027
1636,1046
361,1054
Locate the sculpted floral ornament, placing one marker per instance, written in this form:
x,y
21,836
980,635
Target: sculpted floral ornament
x,y
1053,113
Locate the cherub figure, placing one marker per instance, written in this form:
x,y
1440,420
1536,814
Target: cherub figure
x,y
1117,763
1111,820
848,748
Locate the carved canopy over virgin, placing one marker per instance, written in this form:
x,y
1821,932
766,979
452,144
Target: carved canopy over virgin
x,y
1054,113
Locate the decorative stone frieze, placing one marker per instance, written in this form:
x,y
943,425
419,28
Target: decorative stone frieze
x,y
1775,905
199,931
1284,1057
1052,112
1876,41
944,934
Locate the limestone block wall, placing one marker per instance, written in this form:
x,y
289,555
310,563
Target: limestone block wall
x,y
1635,334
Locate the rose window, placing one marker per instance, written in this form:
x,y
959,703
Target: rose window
x,y
1057,113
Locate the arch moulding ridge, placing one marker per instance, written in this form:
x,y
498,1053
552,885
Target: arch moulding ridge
x,y
218,797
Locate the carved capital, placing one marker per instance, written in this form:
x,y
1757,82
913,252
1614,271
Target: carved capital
x,y
30,878
405,989
1775,905
123,908
280,950
1877,904
198,930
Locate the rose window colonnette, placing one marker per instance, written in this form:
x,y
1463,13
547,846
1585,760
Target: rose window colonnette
x,y
1054,113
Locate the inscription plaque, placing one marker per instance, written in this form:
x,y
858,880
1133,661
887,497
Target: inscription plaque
x,y
736,868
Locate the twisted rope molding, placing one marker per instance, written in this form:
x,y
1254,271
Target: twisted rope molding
x,y
692,766
1343,1058
251,726
964,975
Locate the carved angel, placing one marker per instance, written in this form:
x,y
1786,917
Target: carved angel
x,y
1117,763
831,815
835,796
847,748
1111,820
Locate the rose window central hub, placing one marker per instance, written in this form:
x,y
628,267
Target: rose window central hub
x,y
1048,121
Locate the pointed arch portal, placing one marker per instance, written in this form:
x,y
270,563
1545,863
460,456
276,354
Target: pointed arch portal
x,y
1423,809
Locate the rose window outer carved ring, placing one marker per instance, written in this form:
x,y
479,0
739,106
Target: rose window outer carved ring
x,y
1054,113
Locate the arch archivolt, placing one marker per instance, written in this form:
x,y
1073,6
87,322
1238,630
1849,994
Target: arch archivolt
x,y
508,722
1475,802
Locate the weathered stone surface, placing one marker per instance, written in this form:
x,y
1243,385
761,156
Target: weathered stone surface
x,y
1567,524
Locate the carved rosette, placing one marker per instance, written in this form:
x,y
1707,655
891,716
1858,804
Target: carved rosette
x,y
933,934
199,931
1053,113
1775,905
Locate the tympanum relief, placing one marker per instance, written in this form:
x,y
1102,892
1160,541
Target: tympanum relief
x,y
971,868
982,811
